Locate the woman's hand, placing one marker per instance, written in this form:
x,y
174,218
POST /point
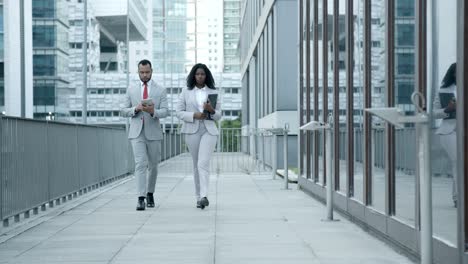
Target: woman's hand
x,y
207,106
451,107
199,116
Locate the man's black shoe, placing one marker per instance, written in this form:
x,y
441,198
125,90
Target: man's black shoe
x,y
204,202
150,200
141,204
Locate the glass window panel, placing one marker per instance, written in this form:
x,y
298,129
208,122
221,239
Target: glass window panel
x,y
44,36
444,135
343,135
358,98
44,95
405,138
378,54
320,58
405,8
311,142
43,8
405,35
44,65
329,42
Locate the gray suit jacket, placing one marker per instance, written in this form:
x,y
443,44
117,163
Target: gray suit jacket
x,y
187,106
152,127
447,126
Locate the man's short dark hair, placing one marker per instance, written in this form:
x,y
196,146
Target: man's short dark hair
x,y
144,62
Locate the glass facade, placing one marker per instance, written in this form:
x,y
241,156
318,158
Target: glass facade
x,y
50,56
169,36
381,62
231,26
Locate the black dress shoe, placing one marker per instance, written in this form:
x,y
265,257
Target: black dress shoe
x,y
204,202
199,204
150,200
140,204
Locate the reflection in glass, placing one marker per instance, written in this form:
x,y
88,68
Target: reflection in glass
x,y
358,94
378,53
311,142
444,156
405,139
321,42
343,135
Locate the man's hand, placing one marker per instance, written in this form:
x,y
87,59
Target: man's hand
x,y
207,106
199,116
138,108
149,109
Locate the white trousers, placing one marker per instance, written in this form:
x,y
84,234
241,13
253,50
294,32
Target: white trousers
x,y
201,145
449,144
147,155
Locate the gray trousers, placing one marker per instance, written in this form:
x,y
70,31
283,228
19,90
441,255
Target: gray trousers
x,y
147,155
201,145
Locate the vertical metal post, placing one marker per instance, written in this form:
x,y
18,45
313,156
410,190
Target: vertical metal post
x,y
426,194
262,134
285,157
274,161
330,185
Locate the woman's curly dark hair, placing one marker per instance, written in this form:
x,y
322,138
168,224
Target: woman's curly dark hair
x,y
450,77
209,81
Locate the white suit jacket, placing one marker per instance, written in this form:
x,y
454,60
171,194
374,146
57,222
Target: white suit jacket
x,y
152,126
187,106
447,126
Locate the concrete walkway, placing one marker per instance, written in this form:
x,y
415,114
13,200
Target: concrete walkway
x,y
250,220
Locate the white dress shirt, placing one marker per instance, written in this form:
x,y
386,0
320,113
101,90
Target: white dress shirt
x,y
201,97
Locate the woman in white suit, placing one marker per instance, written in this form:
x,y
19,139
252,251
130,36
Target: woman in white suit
x,y
201,133
447,129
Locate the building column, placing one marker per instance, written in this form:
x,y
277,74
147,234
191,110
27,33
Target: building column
x,y
18,58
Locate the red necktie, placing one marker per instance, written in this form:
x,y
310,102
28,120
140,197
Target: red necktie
x,y
145,96
145,91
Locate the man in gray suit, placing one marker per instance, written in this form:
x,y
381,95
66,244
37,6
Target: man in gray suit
x,y
146,103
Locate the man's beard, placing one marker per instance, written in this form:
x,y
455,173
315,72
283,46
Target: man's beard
x,y
145,81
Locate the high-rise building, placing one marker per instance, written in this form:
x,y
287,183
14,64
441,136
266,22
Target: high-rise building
x,y
231,34
404,53
106,56
170,36
51,58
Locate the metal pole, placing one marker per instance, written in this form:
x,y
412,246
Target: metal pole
x,y
285,157
85,62
426,194
275,157
330,182
262,134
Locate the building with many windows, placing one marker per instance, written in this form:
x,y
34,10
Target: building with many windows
x,y
231,34
107,57
352,56
50,58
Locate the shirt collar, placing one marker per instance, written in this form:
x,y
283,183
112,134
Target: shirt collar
x,y
142,83
200,89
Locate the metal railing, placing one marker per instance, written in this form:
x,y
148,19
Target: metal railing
x,y
45,163
228,156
